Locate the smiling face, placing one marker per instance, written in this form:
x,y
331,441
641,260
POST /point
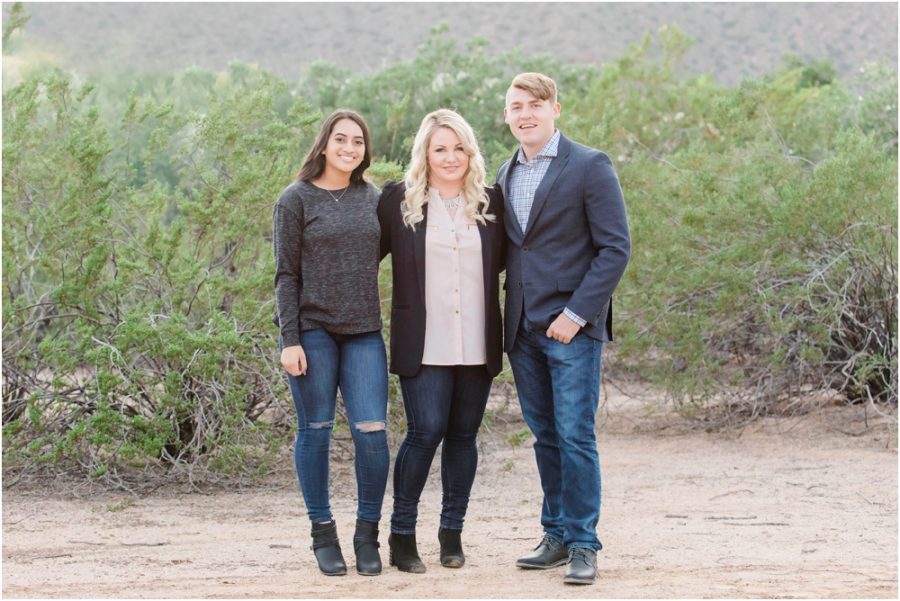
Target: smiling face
x,y
447,159
530,119
346,148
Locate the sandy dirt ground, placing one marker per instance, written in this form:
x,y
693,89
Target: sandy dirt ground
x,y
790,507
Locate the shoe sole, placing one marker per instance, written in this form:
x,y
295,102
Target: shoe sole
x,y
422,571
533,566
570,580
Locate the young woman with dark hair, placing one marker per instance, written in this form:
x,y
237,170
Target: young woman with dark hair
x,y
326,242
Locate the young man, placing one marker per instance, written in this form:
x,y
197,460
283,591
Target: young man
x,y
568,247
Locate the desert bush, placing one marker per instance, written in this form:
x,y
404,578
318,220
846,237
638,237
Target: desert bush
x,y
443,75
137,270
137,309
764,231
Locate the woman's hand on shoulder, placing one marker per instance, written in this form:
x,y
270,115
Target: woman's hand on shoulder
x,y
293,359
392,194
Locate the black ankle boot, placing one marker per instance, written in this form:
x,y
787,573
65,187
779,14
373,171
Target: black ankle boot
x,y
451,548
365,544
404,554
327,549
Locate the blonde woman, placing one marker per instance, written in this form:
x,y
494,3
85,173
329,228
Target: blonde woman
x,y
444,231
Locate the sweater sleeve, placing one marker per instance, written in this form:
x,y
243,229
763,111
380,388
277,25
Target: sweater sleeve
x,y
287,237
384,218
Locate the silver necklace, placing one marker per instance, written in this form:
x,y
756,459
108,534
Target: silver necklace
x,y
338,198
452,203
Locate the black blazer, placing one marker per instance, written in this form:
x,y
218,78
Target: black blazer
x,y
575,246
407,249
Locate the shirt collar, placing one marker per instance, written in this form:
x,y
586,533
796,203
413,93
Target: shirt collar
x,y
549,150
435,195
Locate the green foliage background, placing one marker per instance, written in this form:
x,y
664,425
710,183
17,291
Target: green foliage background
x,y
137,269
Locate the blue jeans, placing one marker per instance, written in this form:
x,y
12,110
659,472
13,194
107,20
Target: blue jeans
x,y
357,364
443,403
559,390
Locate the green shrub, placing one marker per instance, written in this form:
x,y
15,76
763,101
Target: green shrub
x,y
764,231
137,263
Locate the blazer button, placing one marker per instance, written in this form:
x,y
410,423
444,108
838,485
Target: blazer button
x,y
519,284
525,248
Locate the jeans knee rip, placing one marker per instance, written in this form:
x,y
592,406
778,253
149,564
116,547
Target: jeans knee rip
x,y
320,425
369,426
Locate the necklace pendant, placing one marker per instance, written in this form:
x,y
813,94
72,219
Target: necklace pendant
x,y
452,203
337,198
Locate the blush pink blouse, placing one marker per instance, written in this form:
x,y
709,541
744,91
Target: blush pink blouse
x,y
454,288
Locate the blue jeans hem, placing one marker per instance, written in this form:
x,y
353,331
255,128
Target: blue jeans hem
x,y
321,520
402,532
590,546
553,536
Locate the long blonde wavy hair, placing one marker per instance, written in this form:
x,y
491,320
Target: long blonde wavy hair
x,y
476,201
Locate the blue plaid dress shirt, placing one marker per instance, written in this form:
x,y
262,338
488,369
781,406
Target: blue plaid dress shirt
x,y
527,176
523,183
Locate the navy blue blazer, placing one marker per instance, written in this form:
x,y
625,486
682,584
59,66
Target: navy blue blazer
x,y
575,246
407,249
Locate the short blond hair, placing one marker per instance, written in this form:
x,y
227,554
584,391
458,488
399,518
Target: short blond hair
x,y
537,84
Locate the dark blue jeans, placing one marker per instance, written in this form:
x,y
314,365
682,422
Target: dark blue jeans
x,y
356,364
559,390
443,403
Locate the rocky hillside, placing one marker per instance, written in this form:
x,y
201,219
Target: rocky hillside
x,y
732,40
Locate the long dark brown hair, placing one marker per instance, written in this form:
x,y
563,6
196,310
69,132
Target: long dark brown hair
x,y
314,164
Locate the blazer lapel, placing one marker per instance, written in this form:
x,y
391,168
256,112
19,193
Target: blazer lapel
x,y
506,176
543,190
419,245
506,197
486,251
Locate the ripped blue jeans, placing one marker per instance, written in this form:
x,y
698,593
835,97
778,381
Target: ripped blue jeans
x,y
357,365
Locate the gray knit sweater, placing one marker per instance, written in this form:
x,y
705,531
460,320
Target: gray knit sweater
x,y
326,260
